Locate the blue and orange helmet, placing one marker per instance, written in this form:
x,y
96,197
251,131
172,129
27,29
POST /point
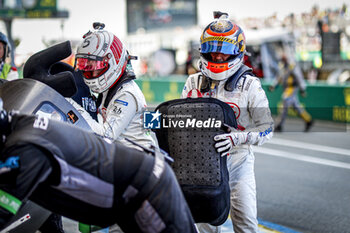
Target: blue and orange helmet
x,y
222,36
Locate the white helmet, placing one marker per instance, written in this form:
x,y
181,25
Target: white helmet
x,y
221,36
102,58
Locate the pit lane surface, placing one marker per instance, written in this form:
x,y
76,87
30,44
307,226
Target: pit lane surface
x,y
303,179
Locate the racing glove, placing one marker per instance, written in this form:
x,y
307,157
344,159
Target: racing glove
x,y
226,143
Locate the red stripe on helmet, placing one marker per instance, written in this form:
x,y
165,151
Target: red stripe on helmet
x,y
117,48
122,72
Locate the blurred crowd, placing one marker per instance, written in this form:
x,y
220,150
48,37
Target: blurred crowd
x,y
317,39
307,26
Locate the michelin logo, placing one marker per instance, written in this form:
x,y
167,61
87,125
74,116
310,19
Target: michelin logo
x,y
151,120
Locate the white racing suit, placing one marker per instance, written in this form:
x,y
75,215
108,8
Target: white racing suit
x,y
251,108
123,117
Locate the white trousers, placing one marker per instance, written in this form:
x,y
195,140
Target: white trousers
x,y
243,210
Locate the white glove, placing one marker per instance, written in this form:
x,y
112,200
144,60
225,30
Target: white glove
x,y
225,143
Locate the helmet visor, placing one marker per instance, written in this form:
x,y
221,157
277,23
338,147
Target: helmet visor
x,y
88,62
91,66
215,46
85,64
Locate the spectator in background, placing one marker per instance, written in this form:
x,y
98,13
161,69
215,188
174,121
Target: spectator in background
x,y
8,72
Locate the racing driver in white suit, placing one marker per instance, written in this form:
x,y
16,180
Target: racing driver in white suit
x,y
223,76
104,62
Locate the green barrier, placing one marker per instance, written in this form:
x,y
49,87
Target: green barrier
x,y
323,101
160,90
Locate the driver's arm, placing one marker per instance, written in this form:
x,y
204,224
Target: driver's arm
x,y
121,110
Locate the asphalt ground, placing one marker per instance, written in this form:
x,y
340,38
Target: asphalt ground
x,y
303,178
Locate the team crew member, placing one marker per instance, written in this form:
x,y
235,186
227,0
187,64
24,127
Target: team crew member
x,y
8,72
292,81
223,76
77,174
